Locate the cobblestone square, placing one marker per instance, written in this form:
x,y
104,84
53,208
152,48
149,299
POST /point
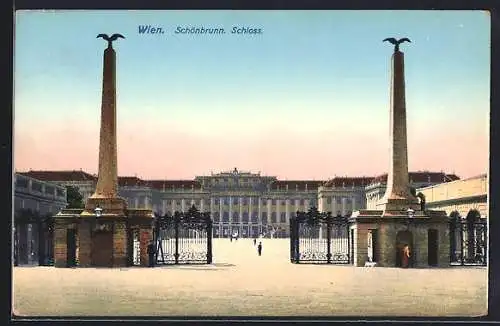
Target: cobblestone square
x,y
240,283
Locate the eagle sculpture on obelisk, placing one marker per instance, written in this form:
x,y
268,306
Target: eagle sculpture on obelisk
x,y
396,42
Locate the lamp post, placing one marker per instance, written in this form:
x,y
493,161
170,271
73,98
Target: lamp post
x,y
98,211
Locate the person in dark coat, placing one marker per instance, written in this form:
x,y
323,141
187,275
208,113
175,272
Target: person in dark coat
x,y
259,248
254,241
151,254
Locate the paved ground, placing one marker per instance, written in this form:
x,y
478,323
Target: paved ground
x,y
241,283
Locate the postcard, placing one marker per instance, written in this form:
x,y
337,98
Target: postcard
x,y
251,163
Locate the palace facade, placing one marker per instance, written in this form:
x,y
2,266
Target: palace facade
x,y
242,202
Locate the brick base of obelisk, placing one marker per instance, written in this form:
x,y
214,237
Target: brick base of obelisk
x,y
82,239
380,236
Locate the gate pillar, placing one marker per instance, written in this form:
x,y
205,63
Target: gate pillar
x,y
64,220
141,219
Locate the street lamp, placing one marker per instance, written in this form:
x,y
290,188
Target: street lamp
x,y
98,211
410,212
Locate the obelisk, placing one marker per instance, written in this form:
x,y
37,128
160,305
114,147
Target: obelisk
x,y
106,192
398,195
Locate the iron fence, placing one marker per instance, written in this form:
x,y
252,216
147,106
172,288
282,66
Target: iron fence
x,y
320,238
184,238
468,242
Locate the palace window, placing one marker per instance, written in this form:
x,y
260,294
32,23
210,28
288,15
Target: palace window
x,y
225,216
283,217
301,202
244,201
235,201
255,217
329,200
235,217
273,217
245,217
35,186
273,201
216,201
264,217
226,201
21,183
216,216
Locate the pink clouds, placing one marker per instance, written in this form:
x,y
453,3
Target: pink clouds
x,y
157,151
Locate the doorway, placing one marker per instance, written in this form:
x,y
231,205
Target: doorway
x,y
432,245
403,238
102,249
71,247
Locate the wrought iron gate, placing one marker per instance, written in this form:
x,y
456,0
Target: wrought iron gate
x,y
319,238
184,238
468,241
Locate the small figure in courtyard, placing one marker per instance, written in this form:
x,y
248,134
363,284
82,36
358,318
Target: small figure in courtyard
x,y
254,241
231,238
259,248
405,260
151,254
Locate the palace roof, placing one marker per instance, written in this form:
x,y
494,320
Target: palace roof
x,y
74,175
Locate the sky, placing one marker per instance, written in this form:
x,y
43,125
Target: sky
x,y
307,98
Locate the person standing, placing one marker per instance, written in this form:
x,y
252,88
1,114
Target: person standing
x,y
259,248
254,241
405,261
151,254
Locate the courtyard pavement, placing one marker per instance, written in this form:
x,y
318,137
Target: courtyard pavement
x,y
240,283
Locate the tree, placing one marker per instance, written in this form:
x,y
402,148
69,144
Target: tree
x,y
74,197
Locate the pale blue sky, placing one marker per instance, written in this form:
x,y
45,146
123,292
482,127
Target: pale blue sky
x,y
316,71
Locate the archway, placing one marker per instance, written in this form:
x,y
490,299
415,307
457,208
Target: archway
x,y
403,238
471,249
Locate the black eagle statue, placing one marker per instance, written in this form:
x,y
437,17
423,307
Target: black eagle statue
x,y
113,37
397,42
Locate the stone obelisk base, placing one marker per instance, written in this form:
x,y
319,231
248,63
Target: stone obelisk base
x,y
85,240
426,233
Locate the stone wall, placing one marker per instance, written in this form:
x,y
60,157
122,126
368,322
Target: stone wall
x,y
385,246
84,243
120,244
145,236
60,246
387,243
462,208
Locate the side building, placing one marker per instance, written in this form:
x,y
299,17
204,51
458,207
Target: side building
x,y
419,179
34,201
